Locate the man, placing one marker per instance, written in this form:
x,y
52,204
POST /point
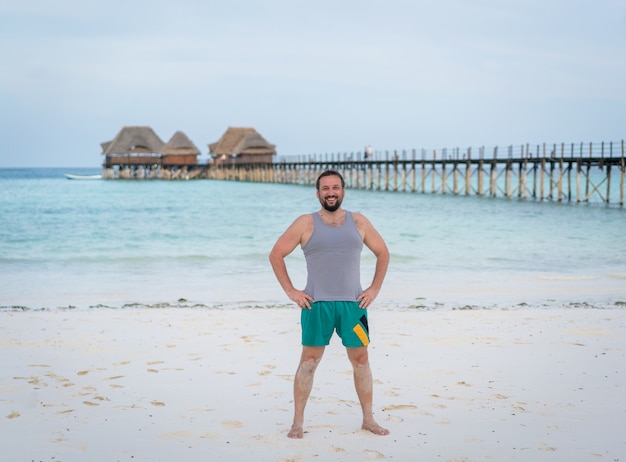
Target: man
x,y
332,240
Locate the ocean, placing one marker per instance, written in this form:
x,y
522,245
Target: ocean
x,y
109,244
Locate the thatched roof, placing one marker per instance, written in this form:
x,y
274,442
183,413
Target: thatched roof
x,y
134,140
178,145
241,140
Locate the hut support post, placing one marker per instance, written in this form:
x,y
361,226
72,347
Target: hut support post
x,y
621,187
468,177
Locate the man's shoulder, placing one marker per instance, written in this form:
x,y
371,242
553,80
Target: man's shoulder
x,y
360,220
304,221
305,217
357,216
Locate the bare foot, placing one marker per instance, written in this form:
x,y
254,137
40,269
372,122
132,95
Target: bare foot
x,y
296,432
375,428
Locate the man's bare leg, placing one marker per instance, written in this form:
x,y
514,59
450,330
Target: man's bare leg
x,y
302,385
364,388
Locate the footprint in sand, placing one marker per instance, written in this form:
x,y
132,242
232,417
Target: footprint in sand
x,y
391,393
35,381
58,440
398,407
252,339
88,391
373,455
232,424
67,411
268,369
62,380
545,447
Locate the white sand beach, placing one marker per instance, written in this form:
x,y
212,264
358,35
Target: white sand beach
x,y
199,384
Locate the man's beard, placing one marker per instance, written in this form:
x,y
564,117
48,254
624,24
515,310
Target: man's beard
x,y
331,208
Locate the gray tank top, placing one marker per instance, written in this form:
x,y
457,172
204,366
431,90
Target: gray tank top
x,y
333,261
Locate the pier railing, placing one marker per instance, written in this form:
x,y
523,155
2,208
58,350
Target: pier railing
x,y
571,150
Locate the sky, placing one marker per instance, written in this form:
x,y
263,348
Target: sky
x,y
312,77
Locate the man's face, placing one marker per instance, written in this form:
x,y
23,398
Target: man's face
x,y
330,193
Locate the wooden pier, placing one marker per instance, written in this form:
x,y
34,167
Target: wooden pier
x,y
581,173
584,173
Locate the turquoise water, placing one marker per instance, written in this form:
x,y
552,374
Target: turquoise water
x,y
112,243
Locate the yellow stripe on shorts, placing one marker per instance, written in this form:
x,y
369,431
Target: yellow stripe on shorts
x,y
360,332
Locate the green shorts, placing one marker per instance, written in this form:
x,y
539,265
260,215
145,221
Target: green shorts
x,y
350,322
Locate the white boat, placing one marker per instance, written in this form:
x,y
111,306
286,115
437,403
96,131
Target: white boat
x,y
70,176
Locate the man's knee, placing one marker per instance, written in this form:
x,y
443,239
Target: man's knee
x,y
358,356
309,364
311,357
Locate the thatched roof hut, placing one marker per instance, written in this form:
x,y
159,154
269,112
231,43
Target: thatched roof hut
x,y
180,144
136,145
179,150
242,145
134,140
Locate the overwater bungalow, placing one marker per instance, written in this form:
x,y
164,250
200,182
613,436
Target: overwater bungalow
x,y
133,152
180,151
177,156
241,145
138,152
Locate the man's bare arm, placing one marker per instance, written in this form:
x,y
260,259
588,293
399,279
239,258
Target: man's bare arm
x,y
294,235
373,241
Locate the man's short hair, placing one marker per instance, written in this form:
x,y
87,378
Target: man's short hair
x,y
329,173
